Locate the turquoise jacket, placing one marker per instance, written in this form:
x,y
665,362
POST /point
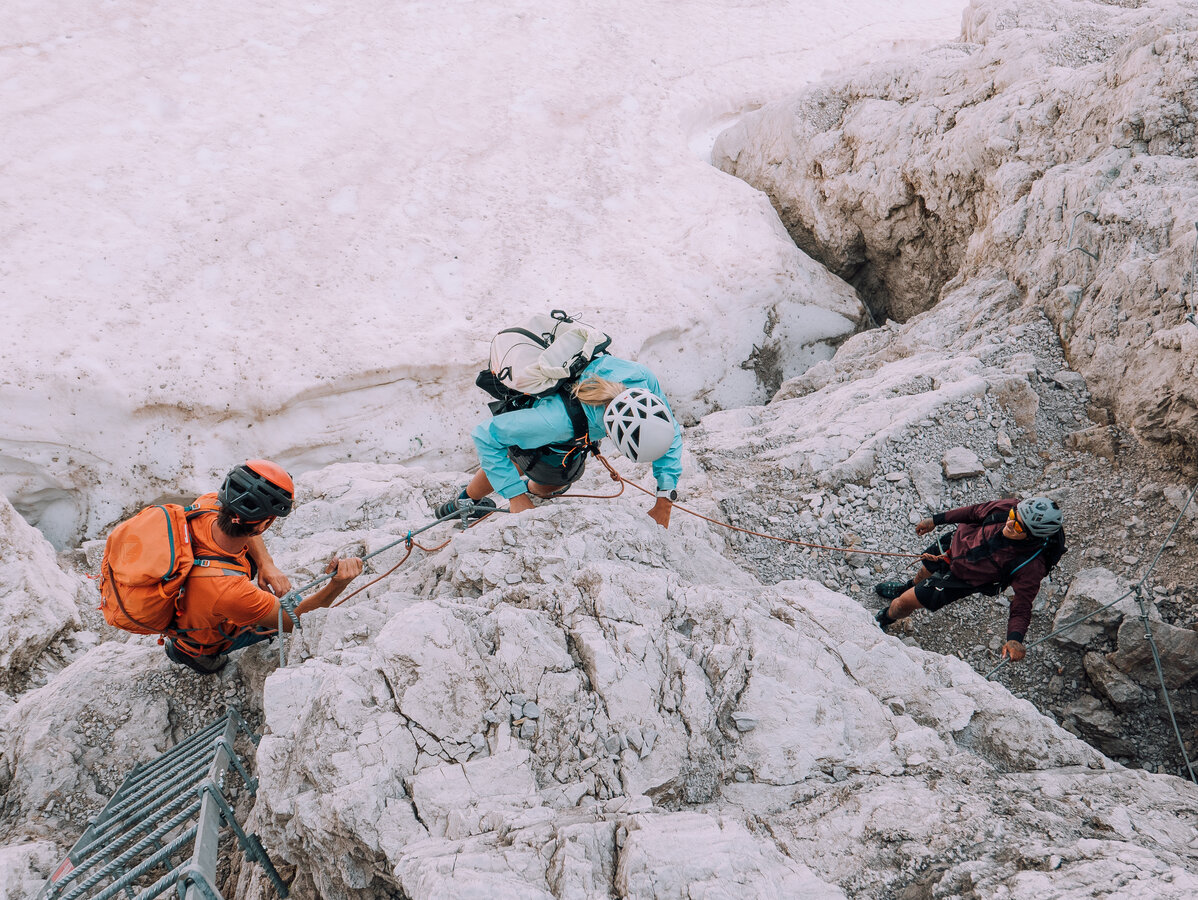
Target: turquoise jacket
x,y
547,422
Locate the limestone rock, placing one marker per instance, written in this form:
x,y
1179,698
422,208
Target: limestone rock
x,y
1099,440
1178,649
1177,497
24,868
1088,716
66,747
693,854
929,483
37,599
1090,590
1002,443
1020,399
1046,147
453,801
584,861
961,462
1123,693
390,762
1070,380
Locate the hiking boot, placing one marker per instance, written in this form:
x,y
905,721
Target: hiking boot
x,y
888,590
883,618
205,665
475,509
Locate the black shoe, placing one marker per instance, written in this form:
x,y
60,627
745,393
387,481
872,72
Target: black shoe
x,y
205,665
474,509
883,618
888,590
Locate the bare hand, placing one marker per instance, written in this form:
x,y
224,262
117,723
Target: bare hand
x,y
660,513
1014,651
271,578
924,526
520,503
933,558
344,570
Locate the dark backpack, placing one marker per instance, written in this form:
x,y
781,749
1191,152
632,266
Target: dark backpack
x,y
1050,549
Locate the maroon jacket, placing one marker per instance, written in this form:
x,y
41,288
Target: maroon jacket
x,y
980,555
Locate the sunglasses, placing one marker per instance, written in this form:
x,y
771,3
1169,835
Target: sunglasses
x,y
1011,517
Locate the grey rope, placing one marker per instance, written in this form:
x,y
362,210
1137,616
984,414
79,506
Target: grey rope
x,y
1191,306
289,601
1160,673
1137,590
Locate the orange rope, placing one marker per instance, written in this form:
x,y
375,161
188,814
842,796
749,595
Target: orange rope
x,y
616,476
411,544
624,482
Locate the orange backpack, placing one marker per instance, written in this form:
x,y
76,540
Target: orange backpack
x,y
146,560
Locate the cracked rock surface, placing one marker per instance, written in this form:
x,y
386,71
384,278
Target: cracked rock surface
x,y
695,725
617,629
1050,151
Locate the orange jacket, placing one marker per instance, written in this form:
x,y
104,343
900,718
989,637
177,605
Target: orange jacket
x,y
219,600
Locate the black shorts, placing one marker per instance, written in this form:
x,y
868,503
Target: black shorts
x,y
942,587
549,466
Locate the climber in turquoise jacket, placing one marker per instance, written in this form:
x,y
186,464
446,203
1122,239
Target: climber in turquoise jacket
x,y
547,443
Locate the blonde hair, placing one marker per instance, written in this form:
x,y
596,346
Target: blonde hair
x,y
597,391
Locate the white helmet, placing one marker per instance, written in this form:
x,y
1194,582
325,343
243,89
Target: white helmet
x,y
641,424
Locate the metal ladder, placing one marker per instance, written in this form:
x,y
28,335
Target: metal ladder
x,y
137,846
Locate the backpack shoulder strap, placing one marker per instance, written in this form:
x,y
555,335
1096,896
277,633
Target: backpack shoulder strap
x,y
995,517
578,418
506,399
583,361
1039,550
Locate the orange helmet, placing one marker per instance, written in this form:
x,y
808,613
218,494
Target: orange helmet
x,y
256,490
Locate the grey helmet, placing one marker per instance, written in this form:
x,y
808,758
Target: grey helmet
x,y
1040,516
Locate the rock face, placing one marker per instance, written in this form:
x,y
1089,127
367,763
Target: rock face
x,y
1050,151
66,747
23,868
37,599
691,728
681,707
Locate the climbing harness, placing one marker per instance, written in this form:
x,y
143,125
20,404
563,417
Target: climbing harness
x,y
1138,590
468,516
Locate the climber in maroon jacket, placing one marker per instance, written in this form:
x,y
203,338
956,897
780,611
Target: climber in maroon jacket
x,y
995,545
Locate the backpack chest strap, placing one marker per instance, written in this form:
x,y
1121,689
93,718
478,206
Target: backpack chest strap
x,y
216,567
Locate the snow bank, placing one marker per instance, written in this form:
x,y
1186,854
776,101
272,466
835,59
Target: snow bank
x,y
250,230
